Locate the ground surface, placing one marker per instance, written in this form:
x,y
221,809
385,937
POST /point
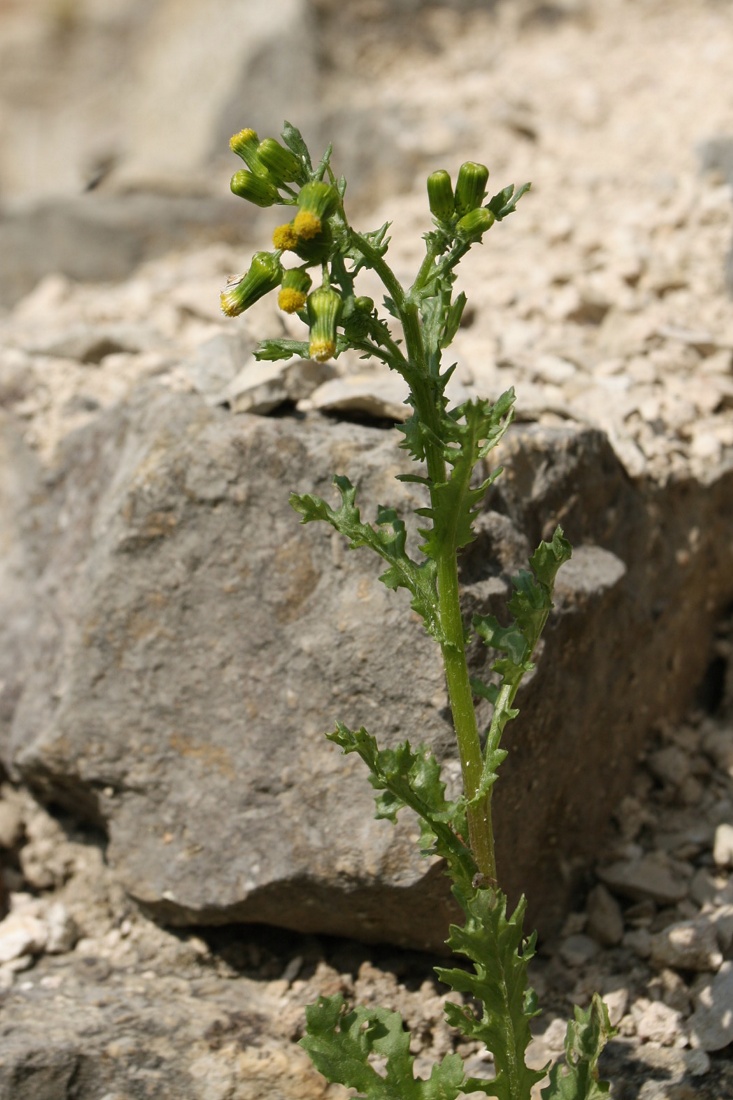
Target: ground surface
x,y
603,300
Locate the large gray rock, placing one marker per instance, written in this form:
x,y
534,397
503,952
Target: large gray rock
x,y
193,642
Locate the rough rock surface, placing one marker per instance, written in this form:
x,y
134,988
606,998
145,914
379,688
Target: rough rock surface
x,y
206,640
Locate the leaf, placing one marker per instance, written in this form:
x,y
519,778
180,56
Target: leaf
x,y
387,539
412,778
505,202
474,429
271,350
293,138
453,320
340,1043
586,1037
500,954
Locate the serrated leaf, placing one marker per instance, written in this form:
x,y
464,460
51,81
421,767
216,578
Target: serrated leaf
x,y
453,319
505,202
473,430
500,955
407,777
340,1044
587,1035
386,539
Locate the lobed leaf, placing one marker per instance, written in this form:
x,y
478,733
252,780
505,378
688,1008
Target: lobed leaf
x,y
407,777
340,1043
500,954
587,1035
387,539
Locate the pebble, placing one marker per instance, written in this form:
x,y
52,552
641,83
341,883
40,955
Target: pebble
x,y
651,876
605,919
687,945
656,1022
723,846
21,934
577,950
711,1025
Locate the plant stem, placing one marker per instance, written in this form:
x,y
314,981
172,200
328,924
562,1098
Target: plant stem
x,y
481,834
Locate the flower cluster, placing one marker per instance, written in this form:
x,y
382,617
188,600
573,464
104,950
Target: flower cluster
x,y
273,175
461,210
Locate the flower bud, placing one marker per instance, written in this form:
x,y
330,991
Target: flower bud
x,y
265,273
245,144
253,188
316,201
285,238
359,320
440,195
470,186
324,312
294,290
473,225
273,160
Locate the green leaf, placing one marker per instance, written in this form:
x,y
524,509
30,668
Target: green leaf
x,y
586,1037
387,539
472,430
505,202
271,350
453,320
407,777
500,954
293,138
341,1042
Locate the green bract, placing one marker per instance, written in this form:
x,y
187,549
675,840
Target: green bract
x,y
451,447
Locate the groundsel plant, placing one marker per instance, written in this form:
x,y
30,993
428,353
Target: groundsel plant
x,y
314,266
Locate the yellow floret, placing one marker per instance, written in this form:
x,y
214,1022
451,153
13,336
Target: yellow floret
x,y
307,225
321,350
285,237
291,300
231,303
243,137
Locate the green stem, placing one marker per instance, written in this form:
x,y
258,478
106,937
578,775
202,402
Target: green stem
x,y
481,834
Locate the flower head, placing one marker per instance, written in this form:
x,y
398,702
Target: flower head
x,y
244,144
254,188
324,312
294,290
285,238
242,291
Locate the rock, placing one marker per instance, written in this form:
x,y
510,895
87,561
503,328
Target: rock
x,y
687,945
217,361
711,1025
578,950
104,237
206,635
21,934
378,394
723,846
605,919
670,765
652,876
261,387
62,930
656,1022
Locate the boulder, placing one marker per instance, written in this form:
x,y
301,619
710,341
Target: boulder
x,y
192,643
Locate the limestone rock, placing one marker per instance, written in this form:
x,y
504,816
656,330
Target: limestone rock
x,y
711,1025
208,640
